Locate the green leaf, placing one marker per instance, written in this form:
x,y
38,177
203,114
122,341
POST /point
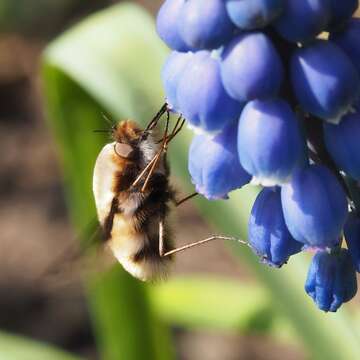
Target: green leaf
x,y
201,302
114,58
18,348
124,322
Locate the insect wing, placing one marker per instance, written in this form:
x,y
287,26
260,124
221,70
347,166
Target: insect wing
x,y
103,181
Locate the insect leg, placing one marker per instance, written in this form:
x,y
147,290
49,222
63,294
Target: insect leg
x,y
152,164
164,109
178,203
143,172
165,142
163,148
204,241
152,169
161,238
177,128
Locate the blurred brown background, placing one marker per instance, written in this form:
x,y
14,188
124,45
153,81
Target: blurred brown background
x,y
33,216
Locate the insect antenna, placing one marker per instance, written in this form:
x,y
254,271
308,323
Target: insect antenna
x,y
102,131
108,120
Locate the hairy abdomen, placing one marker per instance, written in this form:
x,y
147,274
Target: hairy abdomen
x,y
137,251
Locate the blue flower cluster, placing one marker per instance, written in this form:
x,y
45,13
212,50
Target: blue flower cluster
x,y
272,91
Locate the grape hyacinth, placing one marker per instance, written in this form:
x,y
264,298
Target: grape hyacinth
x,y
315,206
325,81
265,129
253,14
268,235
342,142
331,279
272,90
342,11
201,96
251,68
303,20
204,24
348,40
214,166
352,235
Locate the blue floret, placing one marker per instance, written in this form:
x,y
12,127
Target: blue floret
x,y
325,81
341,12
348,40
352,236
253,14
201,96
214,166
343,143
166,24
303,20
251,67
315,207
331,279
268,234
171,74
270,142
205,24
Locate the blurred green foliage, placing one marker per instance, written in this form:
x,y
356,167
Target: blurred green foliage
x,y
42,18
198,303
27,15
111,63
18,348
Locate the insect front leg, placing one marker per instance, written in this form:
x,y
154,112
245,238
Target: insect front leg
x,y
178,203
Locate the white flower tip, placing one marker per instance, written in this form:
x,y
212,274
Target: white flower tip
x,y
199,131
268,181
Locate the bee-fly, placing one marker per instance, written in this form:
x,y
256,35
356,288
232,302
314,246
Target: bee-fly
x,y
133,196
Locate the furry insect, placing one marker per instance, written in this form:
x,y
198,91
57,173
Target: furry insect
x,y
133,196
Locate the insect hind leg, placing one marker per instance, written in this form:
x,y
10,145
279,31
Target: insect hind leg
x,y
200,242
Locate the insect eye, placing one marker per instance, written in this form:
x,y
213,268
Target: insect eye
x,y
123,150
